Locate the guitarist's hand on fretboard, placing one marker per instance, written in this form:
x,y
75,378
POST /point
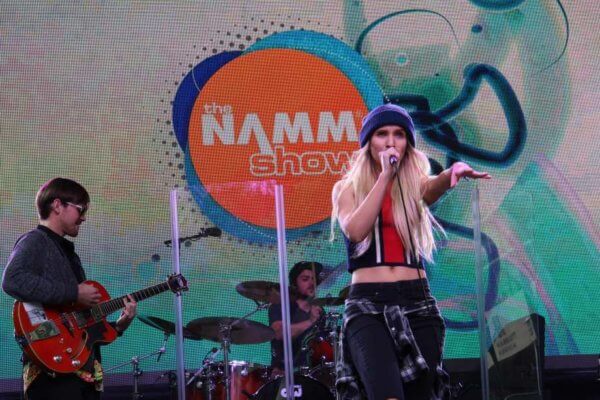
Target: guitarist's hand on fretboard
x,y
87,295
128,314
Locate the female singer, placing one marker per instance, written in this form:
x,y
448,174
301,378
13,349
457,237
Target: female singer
x,y
393,333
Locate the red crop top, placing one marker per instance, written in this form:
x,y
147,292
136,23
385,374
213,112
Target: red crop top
x,y
386,245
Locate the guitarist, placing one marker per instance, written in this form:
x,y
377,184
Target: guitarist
x,y
43,267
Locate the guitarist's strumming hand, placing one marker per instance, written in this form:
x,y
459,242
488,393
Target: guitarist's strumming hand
x,y
87,295
128,314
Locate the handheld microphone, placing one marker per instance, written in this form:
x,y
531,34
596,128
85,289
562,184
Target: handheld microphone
x,y
394,163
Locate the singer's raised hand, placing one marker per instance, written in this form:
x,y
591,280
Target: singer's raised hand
x,y
462,170
385,157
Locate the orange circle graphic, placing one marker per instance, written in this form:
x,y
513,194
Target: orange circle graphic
x,y
275,116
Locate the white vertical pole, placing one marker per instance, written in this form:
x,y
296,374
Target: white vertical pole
x,y
178,303
288,354
483,348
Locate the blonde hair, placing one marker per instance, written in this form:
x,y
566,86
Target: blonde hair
x,y
361,178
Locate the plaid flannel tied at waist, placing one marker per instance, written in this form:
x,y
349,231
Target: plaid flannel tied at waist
x,y
412,362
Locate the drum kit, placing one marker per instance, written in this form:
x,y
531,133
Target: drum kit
x,y
244,380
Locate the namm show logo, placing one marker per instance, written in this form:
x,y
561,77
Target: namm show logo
x,y
285,111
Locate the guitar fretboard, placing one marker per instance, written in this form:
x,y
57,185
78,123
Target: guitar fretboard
x,y
118,303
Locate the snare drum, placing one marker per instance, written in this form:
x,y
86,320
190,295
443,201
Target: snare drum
x,y
305,388
245,379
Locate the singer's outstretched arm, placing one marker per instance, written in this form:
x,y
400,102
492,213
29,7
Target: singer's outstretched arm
x,y
434,187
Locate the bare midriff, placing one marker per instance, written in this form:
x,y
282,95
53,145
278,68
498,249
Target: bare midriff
x,y
386,273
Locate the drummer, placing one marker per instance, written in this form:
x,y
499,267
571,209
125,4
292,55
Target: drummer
x,y
303,278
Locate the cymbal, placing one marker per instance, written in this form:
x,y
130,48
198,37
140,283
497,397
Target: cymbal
x,y
331,301
243,331
327,301
261,291
167,327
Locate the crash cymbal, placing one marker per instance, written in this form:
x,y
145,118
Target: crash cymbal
x,y
165,326
262,291
327,301
243,331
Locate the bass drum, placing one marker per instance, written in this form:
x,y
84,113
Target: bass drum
x,y
305,388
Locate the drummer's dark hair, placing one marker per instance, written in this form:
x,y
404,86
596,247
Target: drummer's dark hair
x,y
305,265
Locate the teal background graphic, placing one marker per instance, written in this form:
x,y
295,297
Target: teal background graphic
x,y
89,91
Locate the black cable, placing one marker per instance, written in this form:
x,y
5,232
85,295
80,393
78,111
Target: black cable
x,y
412,246
411,255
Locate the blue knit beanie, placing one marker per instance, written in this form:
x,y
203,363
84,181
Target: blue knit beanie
x,y
386,114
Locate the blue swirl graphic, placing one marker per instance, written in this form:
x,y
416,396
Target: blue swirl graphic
x,y
434,126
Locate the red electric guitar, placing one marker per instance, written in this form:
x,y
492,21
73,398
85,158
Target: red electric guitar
x,y
61,339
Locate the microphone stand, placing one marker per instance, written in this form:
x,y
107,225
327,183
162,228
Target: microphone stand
x,y
216,232
208,360
137,371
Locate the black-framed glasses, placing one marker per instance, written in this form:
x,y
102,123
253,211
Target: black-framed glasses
x,y
82,209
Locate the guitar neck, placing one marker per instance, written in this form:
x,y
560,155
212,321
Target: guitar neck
x,y
112,305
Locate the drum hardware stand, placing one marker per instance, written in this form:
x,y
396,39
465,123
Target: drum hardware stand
x,y
208,361
225,332
335,338
137,371
334,334
331,324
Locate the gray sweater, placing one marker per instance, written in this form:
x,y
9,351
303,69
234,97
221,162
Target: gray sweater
x,y
39,270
